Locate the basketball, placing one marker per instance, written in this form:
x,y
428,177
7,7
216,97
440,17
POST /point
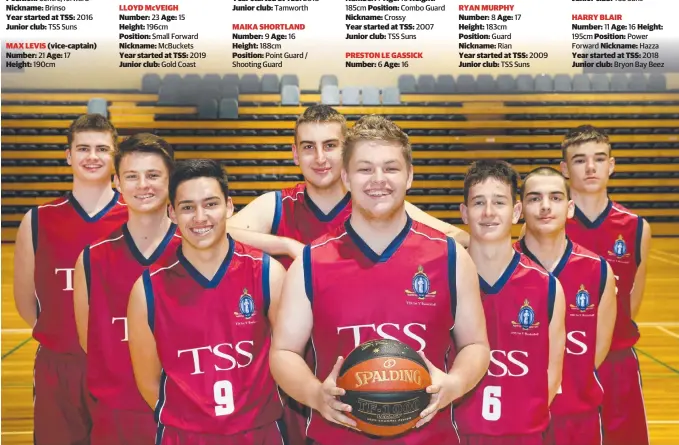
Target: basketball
x,y
385,383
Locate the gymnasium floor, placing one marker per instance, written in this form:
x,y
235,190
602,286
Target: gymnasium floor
x,y
658,351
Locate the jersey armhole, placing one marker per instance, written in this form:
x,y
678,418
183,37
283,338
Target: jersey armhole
x,y
603,278
266,283
34,229
551,296
637,241
148,291
452,275
278,210
306,261
88,271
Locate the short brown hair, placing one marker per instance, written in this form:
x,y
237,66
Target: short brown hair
x,y
484,169
374,127
321,114
544,171
91,122
145,143
581,135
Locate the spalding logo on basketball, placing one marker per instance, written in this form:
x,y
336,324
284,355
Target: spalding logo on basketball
x,y
385,383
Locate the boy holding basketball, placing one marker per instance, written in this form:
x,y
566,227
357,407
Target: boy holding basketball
x,y
300,214
524,310
379,275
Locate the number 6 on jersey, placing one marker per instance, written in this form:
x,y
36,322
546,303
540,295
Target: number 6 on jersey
x,y
223,398
491,409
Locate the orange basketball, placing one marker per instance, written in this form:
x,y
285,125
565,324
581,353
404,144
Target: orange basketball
x,y
385,383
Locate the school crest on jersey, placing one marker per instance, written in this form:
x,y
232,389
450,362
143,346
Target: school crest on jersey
x,y
619,248
421,286
526,317
582,300
246,307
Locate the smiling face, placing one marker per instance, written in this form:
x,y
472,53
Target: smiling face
x,y
143,181
318,152
200,210
91,155
378,177
491,211
546,205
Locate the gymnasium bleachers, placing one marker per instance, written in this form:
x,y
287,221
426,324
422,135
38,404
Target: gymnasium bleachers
x,y
247,122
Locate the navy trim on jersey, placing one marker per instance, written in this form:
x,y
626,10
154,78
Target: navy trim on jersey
x,y
391,248
562,262
637,242
277,212
266,289
452,274
604,277
499,284
150,301
551,296
83,214
34,229
88,271
200,279
134,250
159,433
598,221
283,429
159,407
308,284
318,213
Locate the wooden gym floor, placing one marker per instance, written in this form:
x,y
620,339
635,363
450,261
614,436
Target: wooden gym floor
x,y
658,351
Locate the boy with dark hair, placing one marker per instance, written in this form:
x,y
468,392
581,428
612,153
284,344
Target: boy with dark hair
x,y
199,324
524,312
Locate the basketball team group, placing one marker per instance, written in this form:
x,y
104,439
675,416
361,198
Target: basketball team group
x,y
163,316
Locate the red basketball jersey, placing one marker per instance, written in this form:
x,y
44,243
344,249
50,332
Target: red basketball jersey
x,y
616,236
297,217
61,230
408,293
513,397
112,266
582,275
213,338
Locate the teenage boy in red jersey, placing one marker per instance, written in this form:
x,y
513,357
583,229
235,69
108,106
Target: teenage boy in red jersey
x,y
348,288
199,324
104,275
48,243
623,239
300,214
524,310
589,286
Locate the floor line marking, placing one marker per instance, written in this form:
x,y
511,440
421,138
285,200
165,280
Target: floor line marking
x,y
663,259
654,324
16,348
664,252
666,331
658,361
